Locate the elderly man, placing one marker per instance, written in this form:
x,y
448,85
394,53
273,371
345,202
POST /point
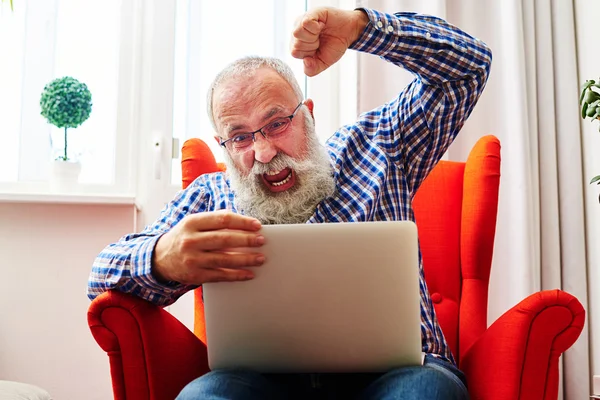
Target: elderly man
x,y
279,173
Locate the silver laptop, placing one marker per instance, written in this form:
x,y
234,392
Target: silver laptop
x,y
340,297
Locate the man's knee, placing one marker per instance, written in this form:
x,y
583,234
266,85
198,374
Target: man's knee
x,y
226,384
427,382
442,384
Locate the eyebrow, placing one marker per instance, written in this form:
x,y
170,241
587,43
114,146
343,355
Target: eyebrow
x,y
270,114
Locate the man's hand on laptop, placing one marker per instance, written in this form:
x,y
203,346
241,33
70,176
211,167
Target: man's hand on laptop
x,y
201,248
322,36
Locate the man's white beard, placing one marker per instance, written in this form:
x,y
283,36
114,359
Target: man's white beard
x,y
314,182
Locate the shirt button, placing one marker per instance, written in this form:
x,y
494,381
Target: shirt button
x,y
390,29
379,24
428,34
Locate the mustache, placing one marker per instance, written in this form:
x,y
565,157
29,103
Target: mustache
x,y
279,162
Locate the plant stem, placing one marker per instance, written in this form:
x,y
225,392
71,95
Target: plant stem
x,y
65,158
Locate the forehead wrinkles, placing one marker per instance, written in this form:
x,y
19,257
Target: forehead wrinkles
x,y
234,115
244,89
237,94
239,118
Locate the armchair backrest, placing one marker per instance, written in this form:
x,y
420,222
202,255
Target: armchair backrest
x,y
455,211
197,159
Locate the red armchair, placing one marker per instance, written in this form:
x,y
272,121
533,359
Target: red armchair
x,y
153,356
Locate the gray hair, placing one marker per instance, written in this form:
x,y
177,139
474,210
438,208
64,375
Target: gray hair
x,y
244,67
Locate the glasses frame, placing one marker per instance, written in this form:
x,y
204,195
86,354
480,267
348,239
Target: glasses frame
x,y
290,117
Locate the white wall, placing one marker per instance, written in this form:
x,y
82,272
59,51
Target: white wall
x,y
46,251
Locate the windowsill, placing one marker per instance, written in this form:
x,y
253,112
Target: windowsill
x,y
67,198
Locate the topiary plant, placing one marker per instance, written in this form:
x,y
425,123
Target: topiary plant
x,y
590,107
66,103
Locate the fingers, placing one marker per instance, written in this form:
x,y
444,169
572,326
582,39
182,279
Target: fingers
x,y
308,30
312,24
209,221
302,50
298,46
313,66
217,260
226,275
207,244
305,38
302,54
219,240
217,267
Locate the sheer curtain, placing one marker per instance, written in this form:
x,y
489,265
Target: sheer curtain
x,y
547,211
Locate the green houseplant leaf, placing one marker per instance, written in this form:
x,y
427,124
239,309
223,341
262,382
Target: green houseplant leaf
x,y
584,89
589,99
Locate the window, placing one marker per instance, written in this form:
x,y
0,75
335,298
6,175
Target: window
x,y
208,36
148,65
47,39
12,32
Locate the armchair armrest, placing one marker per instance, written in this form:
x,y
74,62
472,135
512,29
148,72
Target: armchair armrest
x,y
517,356
152,355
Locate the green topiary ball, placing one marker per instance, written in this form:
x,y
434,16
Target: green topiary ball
x,y
66,102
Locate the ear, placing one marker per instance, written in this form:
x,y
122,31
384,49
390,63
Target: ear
x,y
310,104
218,139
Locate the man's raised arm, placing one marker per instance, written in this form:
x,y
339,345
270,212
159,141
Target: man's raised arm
x,y
450,67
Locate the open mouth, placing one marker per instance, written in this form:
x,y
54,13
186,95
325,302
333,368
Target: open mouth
x,y
279,181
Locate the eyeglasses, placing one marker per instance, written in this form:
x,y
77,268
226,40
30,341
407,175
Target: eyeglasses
x,y
273,130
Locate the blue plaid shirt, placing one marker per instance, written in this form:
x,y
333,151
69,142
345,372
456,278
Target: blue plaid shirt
x,y
379,162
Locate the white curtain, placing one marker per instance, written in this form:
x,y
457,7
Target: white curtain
x,y
547,211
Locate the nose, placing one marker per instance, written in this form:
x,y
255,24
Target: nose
x,y
264,151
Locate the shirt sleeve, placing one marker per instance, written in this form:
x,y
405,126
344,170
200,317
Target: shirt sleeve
x,y
127,264
451,69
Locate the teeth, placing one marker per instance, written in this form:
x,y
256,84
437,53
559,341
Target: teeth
x,y
274,172
286,180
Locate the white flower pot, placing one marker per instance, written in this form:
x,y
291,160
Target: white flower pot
x,y
64,175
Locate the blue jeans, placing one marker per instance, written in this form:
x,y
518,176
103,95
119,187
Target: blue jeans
x,y
435,380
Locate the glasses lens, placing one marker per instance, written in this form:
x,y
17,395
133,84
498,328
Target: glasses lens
x,y
276,127
241,142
